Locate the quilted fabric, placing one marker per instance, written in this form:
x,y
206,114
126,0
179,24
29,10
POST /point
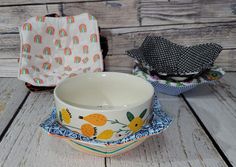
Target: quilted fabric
x,y
167,58
56,48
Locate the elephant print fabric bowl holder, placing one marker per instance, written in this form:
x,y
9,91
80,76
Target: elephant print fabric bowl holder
x,y
56,48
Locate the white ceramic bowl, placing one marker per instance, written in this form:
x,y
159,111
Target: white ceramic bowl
x,y
104,106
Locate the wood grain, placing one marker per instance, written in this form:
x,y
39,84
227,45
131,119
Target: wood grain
x,y
14,16
110,14
36,2
183,144
145,12
121,63
215,106
12,94
185,11
25,143
8,67
123,39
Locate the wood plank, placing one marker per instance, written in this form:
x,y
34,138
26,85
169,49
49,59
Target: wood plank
x,y
186,11
121,63
215,106
36,2
8,67
227,60
25,143
114,13
123,39
183,144
12,94
109,14
12,17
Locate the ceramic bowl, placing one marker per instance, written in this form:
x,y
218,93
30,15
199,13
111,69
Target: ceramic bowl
x,y
103,150
105,105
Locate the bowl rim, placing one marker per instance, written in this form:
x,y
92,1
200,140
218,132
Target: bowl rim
x,y
102,110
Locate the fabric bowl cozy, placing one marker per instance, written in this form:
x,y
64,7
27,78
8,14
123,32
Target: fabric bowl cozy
x,y
54,48
176,88
167,58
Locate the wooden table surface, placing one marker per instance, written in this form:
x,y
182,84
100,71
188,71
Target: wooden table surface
x,y
203,133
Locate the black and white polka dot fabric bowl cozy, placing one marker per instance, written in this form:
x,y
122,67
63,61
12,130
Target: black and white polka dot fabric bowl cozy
x,y
167,58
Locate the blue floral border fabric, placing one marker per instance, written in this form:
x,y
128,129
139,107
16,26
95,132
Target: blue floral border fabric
x,y
160,122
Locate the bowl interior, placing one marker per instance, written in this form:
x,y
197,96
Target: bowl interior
x,y
104,90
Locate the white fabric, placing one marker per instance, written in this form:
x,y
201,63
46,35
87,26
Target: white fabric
x,y
53,49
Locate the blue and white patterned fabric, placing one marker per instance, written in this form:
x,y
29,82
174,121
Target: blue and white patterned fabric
x,y
176,88
160,122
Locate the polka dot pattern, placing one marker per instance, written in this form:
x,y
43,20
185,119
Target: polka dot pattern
x,y
168,58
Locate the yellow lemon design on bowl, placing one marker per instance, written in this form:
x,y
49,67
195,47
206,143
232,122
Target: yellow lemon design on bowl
x,y
106,134
95,119
65,115
136,123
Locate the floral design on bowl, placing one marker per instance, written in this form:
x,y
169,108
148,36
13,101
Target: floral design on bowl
x,y
160,121
89,129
